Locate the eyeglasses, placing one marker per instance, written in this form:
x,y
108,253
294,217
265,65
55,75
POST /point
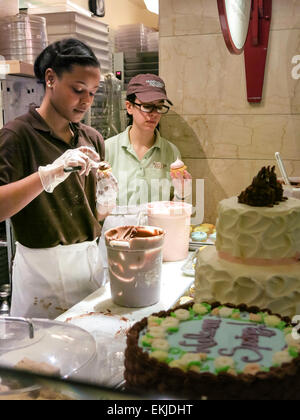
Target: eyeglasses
x,y
160,109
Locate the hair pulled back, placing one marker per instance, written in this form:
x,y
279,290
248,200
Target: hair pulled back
x,y
61,55
131,98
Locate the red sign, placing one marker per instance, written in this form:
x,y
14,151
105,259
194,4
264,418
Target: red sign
x,y
246,27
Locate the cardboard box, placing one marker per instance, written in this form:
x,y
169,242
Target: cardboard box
x,y
16,67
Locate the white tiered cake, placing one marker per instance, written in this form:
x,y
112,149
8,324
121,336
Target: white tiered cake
x,y
256,259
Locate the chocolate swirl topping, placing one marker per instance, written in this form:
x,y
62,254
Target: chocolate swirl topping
x,y
265,190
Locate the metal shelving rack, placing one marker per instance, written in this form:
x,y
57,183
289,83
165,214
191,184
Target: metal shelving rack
x,y
17,92
107,114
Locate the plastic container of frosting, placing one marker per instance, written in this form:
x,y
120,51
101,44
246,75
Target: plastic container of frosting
x,y
175,219
134,264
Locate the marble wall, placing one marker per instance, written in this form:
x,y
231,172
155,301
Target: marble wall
x,y
117,12
223,139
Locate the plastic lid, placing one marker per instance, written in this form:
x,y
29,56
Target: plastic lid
x,y
169,208
44,346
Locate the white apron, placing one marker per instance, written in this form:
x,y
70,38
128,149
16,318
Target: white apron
x,y
47,282
121,216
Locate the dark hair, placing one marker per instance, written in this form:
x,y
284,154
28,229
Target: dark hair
x,y
61,55
130,98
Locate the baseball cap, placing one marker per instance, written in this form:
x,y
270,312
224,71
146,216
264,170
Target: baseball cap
x,y
148,88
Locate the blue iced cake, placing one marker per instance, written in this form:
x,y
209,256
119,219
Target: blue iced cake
x,y
215,351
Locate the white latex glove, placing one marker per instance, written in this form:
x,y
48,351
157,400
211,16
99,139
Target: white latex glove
x,y
182,184
106,194
52,175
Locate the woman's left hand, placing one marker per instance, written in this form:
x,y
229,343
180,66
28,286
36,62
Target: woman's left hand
x,y
106,194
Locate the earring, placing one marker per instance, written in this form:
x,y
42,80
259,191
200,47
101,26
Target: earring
x,y
49,84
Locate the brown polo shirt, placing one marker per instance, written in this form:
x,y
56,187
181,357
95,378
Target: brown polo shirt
x,y
66,216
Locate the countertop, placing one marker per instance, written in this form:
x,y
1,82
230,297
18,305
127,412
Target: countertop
x,y
108,323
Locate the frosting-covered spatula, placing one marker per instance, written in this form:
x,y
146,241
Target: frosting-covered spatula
x,y
282,169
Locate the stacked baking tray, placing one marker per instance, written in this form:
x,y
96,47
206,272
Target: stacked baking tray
x,y
153,41
22,37
132,38
89,30
140,63
106,114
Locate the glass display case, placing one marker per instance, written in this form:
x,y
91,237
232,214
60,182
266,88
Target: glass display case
x,y
21,385
40,360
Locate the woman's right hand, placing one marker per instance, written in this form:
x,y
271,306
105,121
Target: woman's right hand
x,y
52,175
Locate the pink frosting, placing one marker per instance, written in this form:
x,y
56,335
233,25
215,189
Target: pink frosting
x,y
177,164
259,261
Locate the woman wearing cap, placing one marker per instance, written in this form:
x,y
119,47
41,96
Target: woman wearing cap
x,y
140,157
54,212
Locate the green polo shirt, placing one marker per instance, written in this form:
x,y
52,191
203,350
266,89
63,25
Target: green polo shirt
x,y
141,181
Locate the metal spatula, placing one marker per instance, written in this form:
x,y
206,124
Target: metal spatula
x,y
78,168
72,169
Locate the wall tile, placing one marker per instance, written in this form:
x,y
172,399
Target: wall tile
x,y
286,14
186,17
234,136
223,139
190,17
204,78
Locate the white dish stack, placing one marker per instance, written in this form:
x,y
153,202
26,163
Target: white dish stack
x,y
140,63
71,24
153,41
139,45
132,38
22,37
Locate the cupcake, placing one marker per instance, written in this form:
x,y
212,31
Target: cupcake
x,y
199,236
104,168
208,228
177,168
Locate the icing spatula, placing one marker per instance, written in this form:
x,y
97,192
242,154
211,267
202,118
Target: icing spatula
x,y
282,169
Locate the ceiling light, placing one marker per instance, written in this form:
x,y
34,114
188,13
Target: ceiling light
x,y
152,6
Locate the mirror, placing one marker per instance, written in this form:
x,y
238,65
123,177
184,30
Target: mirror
x,y
97,7
235,18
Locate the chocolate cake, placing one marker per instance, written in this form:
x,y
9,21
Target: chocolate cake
x,y
218,352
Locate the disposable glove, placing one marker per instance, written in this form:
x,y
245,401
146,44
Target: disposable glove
x,y
52,175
